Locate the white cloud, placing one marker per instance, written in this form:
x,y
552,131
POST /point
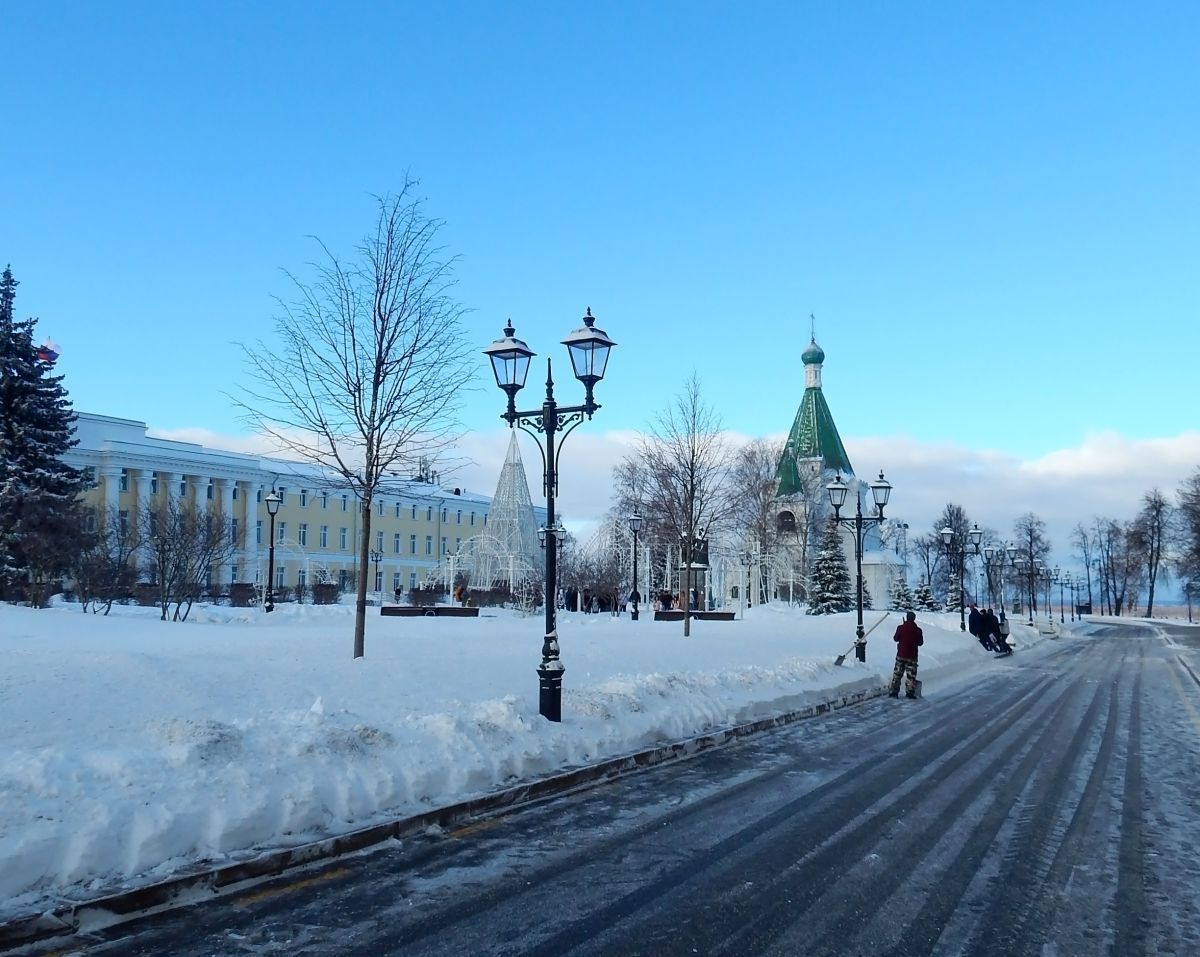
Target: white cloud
x,y
1105,475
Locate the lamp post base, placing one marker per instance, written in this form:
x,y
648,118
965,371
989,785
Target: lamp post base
x,y
860,651
550,694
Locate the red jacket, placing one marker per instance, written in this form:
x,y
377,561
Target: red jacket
x,y
908,636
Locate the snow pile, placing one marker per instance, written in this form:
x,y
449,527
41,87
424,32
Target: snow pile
x,y
133,747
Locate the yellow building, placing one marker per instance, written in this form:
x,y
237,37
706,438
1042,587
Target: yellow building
x,y
416,522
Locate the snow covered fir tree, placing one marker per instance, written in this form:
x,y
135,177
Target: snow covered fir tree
x,y
900,597
923,599
830,588
40,512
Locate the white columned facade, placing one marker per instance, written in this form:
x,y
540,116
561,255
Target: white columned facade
x,y
143,509
173,479
249,531
112,490
224,496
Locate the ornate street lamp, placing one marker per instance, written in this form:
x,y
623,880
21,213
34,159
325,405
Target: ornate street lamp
x,y
377,557
1064,579
635,526
881,489
989,552
951,539
588,348
272,501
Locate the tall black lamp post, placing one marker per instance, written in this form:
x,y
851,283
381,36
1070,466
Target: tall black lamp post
x,y
989,552
1064,579
880,490
957,548
272,501
635,526
1187,591
588,348
377,557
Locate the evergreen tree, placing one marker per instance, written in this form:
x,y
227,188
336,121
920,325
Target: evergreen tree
x,y
39,505
900,596
830,589
923,599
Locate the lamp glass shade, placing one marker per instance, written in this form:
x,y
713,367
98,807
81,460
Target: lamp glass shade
x,y
1012,553
947,534
273,501
881,489
989,551
510,360
975,535
635,521
588,348
837,490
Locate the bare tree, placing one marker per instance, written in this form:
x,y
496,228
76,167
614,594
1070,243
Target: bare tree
x,y
186,544
1117,564
104,570
954,517
1188,564
367,369
1029,535
686,462
1151,537
1082,540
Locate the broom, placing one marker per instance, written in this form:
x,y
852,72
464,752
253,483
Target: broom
x,y
841,658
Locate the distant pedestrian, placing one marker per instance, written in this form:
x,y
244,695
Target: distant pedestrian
x,y
908,638
975,623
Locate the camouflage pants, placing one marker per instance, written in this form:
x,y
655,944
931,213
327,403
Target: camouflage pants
x,y
903,665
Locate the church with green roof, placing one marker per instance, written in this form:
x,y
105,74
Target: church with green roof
x,y
813,446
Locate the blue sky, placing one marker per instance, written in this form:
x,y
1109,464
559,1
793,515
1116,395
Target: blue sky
x,y
993,213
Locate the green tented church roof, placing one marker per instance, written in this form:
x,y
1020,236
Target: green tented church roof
x,y
814,434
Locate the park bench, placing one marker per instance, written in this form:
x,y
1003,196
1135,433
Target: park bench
x,y
429,611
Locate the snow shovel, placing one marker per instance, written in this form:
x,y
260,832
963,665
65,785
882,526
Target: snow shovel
x,y
840,659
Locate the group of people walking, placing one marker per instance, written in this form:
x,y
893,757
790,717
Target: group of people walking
x,y
990,631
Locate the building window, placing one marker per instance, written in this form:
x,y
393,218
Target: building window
x,y
124,480
472,518
280,576
154,484
301,578
412,580
282,494
396,543
379,541
324,536
378,579
397,510
429,514
414,513
282,536
258,495
258,532
457,544
345,503
395,581
412,544
428,544
233,530
302,538
444,549
89,522
342,539
233,573
183,486
458,519
304,498
445,512
235,491
485,519
208,491
324,499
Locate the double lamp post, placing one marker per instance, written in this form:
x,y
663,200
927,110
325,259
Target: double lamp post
x,y
272,501
880,490
588,348
957,548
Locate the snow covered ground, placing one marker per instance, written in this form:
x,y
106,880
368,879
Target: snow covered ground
x,y
133,747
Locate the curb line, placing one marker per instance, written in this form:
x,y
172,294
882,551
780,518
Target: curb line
x,y
73,916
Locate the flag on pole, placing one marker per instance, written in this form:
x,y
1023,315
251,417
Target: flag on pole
x,y
48,352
